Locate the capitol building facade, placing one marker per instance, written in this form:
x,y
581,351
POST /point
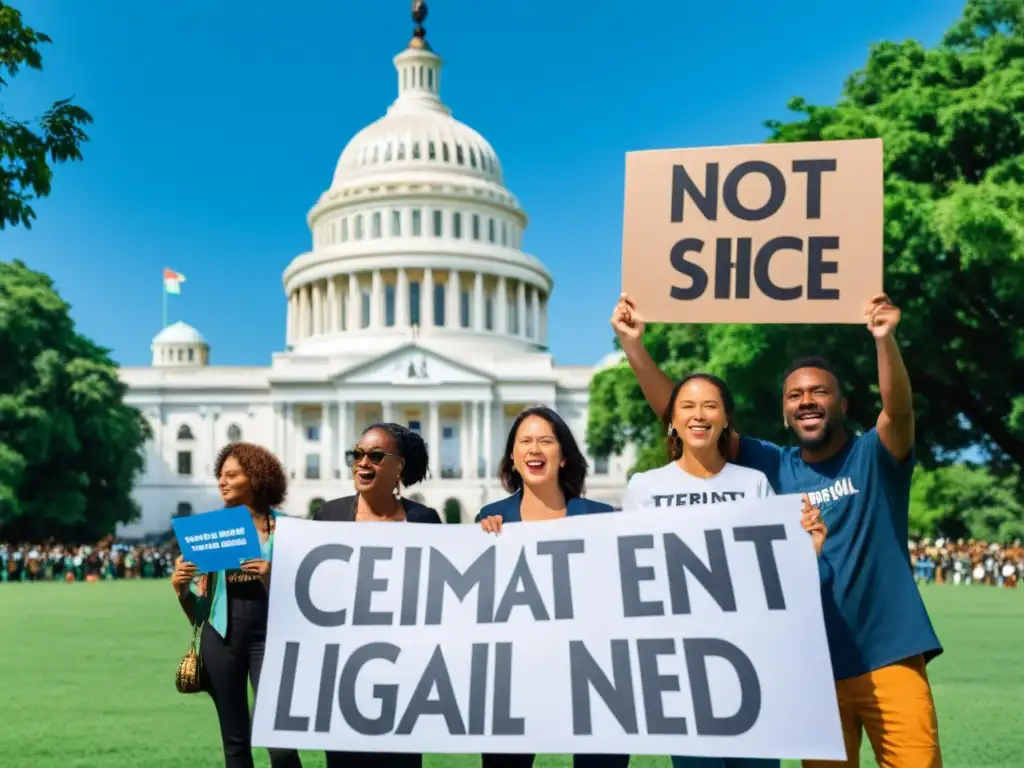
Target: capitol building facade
x,y
416,304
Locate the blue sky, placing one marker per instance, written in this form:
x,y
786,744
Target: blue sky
x,y
219,122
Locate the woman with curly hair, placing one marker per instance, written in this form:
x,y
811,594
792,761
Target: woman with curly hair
x,y
387,457
232,605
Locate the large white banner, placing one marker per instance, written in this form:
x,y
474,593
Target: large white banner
x,y
695,632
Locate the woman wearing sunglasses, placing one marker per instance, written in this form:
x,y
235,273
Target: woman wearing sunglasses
x,y
545,471
387,457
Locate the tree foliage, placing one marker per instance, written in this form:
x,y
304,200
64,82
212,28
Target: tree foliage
x,y
962,501
70,449
952,123
27,148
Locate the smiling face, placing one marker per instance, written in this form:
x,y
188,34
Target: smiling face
x,y
699,416
536,454
812,406
233,484
376,465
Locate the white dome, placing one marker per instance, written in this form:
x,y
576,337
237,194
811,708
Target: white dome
x,y
416,234
179,333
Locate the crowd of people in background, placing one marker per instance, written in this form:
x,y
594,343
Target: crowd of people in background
x,y
107,559
963,562
940,561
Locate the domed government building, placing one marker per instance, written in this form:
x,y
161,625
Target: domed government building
x,y
415,304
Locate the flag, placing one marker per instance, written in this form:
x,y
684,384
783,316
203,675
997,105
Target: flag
x,y
172,281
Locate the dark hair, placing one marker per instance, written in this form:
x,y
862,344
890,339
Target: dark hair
x,y
267,477
572,477
674,441
410,446
820,363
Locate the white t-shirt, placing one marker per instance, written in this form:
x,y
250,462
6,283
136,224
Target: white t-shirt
x,y
670,486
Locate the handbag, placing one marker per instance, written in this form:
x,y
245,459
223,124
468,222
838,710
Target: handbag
x,y
189,678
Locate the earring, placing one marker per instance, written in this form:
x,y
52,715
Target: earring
x,y
398,489
672,431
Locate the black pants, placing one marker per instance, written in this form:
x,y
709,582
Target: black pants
x,y
373,760
578,761
226,663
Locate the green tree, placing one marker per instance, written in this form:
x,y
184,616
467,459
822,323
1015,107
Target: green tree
x,y
952,122
27,148
70,449
964,501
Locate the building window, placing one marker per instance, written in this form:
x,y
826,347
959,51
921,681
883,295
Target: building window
x,y
191,355
313,433
234,433
438,223
445,154
416,223
184,509
185,432
414,302
401,151
439,305
389,306
365,310
476,226
415,426
430,79
459,158
387,153
359,226
415,150
489,313
312,466
600,465
472,158
375,231
344,230
457,225
504,233
464,309
431,151
512,314
490,230
185,463
396,223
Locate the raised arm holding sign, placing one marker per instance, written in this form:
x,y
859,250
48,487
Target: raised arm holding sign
x,y
880,635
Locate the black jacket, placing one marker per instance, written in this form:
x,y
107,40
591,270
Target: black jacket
x,y
343,510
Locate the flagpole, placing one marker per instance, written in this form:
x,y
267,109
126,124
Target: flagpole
x,y
163,286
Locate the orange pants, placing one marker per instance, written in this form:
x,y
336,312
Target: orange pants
x,y
894,705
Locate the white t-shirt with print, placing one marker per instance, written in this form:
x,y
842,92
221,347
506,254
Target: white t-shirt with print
x,y
669,487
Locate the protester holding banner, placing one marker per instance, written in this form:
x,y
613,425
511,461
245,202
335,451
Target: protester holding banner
x,y
545,471
387,457
232,605
880,635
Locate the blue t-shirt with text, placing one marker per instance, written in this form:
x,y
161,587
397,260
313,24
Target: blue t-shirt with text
x,y
874,614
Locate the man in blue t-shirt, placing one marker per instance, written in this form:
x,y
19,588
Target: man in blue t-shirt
x,y
879,633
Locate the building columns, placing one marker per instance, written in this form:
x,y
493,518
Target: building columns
x,y
434,436
487,409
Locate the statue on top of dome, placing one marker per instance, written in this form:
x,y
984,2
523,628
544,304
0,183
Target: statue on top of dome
x,y
419,14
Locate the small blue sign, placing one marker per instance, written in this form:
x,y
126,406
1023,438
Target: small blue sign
x,y
218,541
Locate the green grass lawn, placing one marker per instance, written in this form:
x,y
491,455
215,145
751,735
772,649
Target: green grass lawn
x,y
87,673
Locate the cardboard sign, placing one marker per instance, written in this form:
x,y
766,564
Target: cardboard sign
x,y
761,233
217,541
634,633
